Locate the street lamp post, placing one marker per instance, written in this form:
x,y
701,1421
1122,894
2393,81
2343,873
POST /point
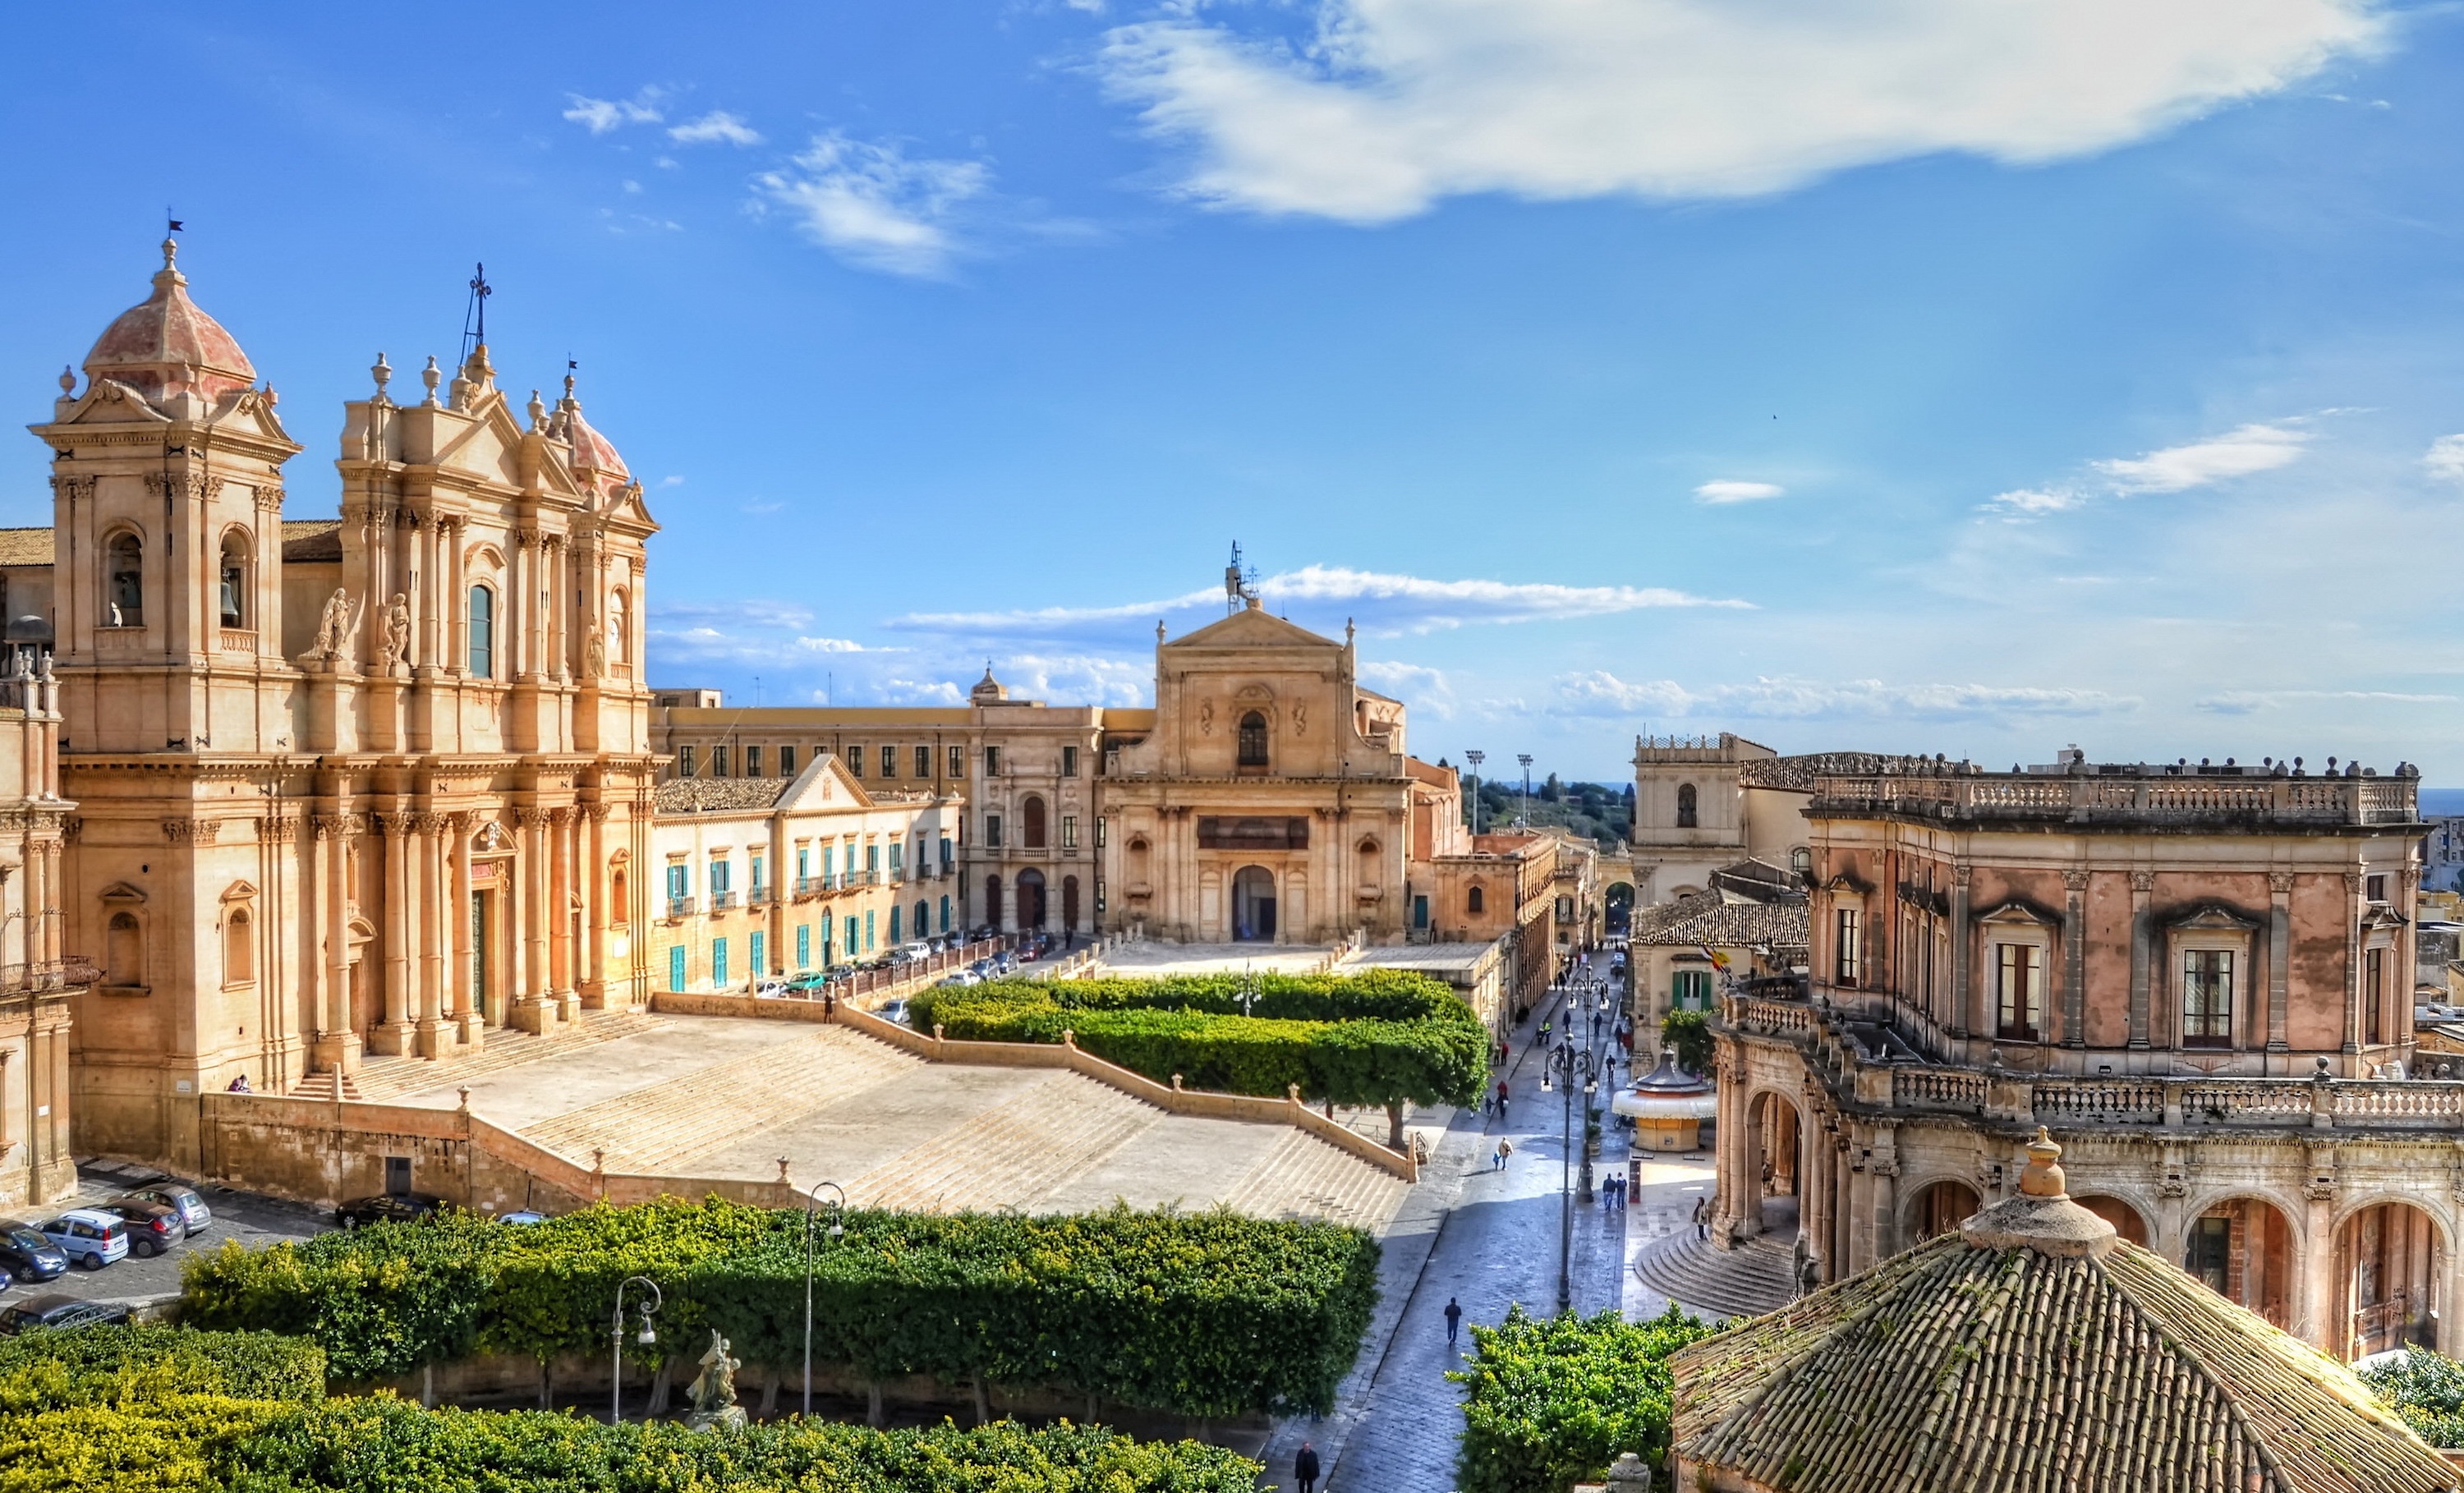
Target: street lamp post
x,y
1525,757
838,1207
648,1336
1568,1066
1475,759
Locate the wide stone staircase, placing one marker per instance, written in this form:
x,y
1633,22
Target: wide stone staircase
x,y
1304,1177
653,1128
1012,1155
382,1080
1744,1281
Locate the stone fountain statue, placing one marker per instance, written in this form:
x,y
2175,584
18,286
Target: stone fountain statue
x,y
713,1389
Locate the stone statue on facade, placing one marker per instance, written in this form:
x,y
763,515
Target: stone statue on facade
x,y
396,646
713,1389
594,653
333,625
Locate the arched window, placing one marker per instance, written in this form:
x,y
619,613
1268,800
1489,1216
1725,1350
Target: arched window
x,y
1253,740
124,586
239,950
234,580
620,637
1031,816
483,632
1686,805
123,951
1801,860
1476,902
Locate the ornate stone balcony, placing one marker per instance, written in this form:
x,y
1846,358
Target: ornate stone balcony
x,y
2120,796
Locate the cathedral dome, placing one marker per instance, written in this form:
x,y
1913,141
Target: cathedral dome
x,y
165,346
594,455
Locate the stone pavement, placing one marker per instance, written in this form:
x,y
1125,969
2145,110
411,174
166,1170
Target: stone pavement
x,y
1487,1238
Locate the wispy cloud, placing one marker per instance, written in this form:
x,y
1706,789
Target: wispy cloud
x,y
599,116
2038,500
1429,691
2445,458
1598,692
2236,453
1726,490
1394,104
870,204
2244,702
718,127
1380,601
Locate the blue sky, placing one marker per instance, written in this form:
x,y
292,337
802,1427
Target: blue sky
x,y
1916,376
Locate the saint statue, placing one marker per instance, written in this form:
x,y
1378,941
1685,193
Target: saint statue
x,y
397,631
713,1389
594,653
333,625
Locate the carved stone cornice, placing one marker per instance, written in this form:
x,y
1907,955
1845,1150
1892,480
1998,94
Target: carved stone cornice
x,y
2075,880
269,500
2279,881
2142,881
164,484
73,487
530,817
596,812
429,823
197,831
278,828
526,539
335,826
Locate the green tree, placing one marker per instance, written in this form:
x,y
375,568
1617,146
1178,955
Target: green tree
x,y
1688,1034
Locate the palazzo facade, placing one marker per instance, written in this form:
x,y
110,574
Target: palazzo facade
x,y
2199,976
366,785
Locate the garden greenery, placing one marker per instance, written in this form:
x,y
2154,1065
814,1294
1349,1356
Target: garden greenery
x,y
2427,1390
1555,1399
1202,1314
154,1410
1383,1037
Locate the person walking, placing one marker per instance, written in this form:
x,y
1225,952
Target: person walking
x,y
1504,1149
1454,1319
1305,1467
1702,1218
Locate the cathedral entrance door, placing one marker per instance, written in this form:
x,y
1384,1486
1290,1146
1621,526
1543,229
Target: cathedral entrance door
x,y
483,957
1253,905
1031,911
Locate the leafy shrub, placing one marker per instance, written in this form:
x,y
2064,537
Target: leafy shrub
x,y
2427,1390
106,1365
176,1444
1380,1038
1688,1033
1207,1314
1555,1399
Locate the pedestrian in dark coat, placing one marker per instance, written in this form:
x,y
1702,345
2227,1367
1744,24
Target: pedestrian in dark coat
x,y
1304,1468
1702,1218
1454,1319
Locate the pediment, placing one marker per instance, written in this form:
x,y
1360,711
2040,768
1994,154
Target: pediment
x,y
2019,911
109,402
627,508
2214,917
239,892
250,411
1253,628
122,894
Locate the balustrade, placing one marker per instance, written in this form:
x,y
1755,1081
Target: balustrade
x,y
2099,1101
1938,1089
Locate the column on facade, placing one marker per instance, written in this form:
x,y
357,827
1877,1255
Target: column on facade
x,y
425,942
457,654
594,903
2142,884
398,925
465,1000
1964,1021
2074,958
534,914
2355,908
338,837
427,599
2319,1323
48,908
2279,958
559,902
513,628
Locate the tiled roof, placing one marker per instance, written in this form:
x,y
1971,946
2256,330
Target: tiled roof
x,y
25,546
1707,919
705,795
311,538
1962,1366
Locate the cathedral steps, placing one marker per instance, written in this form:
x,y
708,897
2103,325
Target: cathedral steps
x,y
1012,1155
321,1086
1304,1177
652,1129
1746,1282
382,1080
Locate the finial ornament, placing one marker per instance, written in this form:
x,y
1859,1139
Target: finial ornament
x,y
171,254
538,410
2042,1175
67,379
383,372
431,375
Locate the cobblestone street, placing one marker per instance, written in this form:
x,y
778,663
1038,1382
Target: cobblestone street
x,y
1489,1239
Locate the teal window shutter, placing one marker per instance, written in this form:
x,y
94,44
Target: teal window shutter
x,y
676,967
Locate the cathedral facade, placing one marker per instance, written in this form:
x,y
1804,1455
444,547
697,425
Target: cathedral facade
x,y
366,785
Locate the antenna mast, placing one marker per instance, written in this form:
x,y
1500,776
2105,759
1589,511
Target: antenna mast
x,y
474,315
1240,585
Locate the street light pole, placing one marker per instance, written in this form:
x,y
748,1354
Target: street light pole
x,y
1566,1065
1525,757
649,1310
838,1208
1475,759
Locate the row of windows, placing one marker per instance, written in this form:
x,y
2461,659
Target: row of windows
x,y
762,760
841,939
1032,828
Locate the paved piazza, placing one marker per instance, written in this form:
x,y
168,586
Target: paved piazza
x,y
700,1096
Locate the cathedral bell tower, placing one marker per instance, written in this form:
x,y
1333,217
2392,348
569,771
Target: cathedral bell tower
x,y
167,483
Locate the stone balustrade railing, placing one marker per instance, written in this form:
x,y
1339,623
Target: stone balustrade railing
x,y
2286,800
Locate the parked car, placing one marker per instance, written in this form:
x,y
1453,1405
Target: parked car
x,y
90,1236
387,1208
152,1228
24,1253
522,1215
194,1215
59,1313
892,1011
769,990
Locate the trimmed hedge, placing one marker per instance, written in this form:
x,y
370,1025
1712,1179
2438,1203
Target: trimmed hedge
x,y
1203,1314
1380,1038
1555,1399
2427,1390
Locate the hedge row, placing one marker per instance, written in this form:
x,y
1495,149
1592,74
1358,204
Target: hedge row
x,y
2427,1390
1382,1037
1555,1399
1204,1314
159,1411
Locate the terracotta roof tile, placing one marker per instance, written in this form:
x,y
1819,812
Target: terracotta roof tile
x,y
706,795
311,538
1710,919
25,546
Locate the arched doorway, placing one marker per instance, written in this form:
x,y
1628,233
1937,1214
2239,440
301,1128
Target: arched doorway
x,y
1619,908
992,903
1253,905
2124,1218
1775,1141
2242,1250
2386,1258
1942,1208
1030,900
1070,904
1030,816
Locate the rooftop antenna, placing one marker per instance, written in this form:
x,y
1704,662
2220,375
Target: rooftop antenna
x,y
1239,585
474,316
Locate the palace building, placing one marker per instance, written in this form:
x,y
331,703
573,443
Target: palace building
x,y
372,785
2198,977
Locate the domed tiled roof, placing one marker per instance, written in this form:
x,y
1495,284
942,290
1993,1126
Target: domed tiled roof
x,y
165,346
593,454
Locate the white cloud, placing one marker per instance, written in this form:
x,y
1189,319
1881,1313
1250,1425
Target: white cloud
x,y
715,129
2036,500
1725,491
874,207
2244,702
2445,458
599,116
922,692
1381,602
2235,453
1425,690
1393,104
1598,692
